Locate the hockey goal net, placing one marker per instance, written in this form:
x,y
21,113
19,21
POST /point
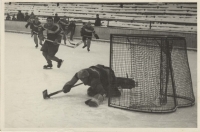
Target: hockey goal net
x,y
159,65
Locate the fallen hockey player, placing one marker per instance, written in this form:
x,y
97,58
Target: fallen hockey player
x,y
102,82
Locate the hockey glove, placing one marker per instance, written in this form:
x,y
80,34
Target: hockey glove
x,y
26,25
125,83
96,36
67,88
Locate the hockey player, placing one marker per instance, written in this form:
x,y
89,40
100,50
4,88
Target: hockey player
x,y
36,24
64,25
29,22
82,32
87,32
71,29
49,49
100,78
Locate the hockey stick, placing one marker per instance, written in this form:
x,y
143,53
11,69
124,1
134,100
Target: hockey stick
x,y
79,43
60,43
71,42
57,43
46,95
67,37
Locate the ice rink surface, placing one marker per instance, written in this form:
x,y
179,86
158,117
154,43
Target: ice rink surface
x,y
25,79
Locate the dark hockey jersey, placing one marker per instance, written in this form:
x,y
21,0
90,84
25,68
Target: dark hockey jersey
x,y
36,26
63,23
98,75
87,31
53,32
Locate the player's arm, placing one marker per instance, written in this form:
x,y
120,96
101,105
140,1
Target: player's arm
x,y
74,27
82,31
28,23
89,30
67,87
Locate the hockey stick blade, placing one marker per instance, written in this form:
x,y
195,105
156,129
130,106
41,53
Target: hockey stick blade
x,y
76,45
46,95
71,42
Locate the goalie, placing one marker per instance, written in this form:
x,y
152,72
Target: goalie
x,y
102,82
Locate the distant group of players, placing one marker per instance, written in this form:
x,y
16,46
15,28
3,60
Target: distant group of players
x,y
56,32
100,78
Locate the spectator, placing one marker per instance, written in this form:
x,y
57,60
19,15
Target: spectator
x,y
97,21
20,16
14,18
71,28
121,5
8,17
32,16
56,18
26,17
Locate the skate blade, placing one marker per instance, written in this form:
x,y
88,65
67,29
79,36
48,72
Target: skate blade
x,y
47,68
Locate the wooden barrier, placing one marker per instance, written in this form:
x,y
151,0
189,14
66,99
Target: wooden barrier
x,y
104,32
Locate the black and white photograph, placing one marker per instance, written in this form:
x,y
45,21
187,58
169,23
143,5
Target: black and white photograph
x,y
90,66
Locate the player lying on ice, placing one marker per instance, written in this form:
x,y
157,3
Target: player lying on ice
x,y
100,79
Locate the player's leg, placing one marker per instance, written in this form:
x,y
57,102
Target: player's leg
x,y
71,35
64,37
84,41
51,55
91,92
36,40
114,91
40,41
88,43
54,58
49,62
98,97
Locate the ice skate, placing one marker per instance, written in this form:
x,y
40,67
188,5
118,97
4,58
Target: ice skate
x,y
60,63
84,46
36,46
49,66
88,50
